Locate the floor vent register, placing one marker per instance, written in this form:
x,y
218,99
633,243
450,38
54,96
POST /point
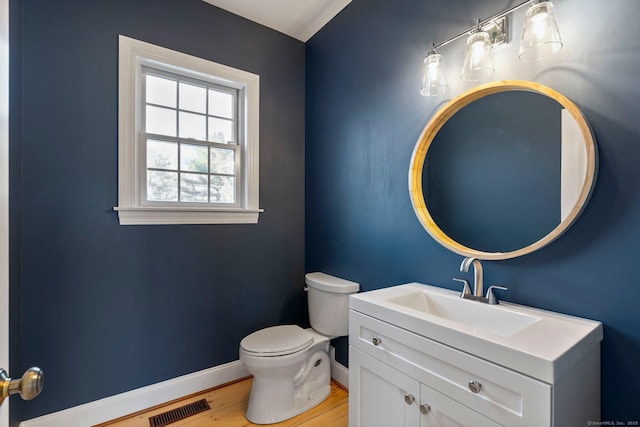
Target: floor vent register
x,y
178,414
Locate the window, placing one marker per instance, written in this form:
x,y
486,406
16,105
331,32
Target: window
x,y
188,139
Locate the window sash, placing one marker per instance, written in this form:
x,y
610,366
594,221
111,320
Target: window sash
x,y
236,94
236,146
144,168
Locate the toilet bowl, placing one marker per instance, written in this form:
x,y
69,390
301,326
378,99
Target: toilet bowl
x,y
290,365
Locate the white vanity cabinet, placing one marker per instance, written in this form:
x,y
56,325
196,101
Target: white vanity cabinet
x,y
402,377
387,397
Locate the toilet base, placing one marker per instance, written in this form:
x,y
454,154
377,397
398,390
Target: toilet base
x,y
259,413
277,396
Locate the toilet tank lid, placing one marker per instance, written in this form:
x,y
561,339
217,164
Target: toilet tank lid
x,y
326,282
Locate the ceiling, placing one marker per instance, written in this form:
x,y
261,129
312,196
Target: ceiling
x,y
300,19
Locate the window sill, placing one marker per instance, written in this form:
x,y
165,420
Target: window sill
x,y
165,216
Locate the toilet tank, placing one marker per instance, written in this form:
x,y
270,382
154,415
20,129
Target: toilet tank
x,y
328,298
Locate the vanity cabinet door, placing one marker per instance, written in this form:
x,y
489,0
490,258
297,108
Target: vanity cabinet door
x,y
440,411
380,396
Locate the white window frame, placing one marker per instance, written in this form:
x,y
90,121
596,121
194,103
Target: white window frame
x,y
132,208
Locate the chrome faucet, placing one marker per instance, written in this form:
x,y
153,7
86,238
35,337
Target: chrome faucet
x,y
477,274
477,283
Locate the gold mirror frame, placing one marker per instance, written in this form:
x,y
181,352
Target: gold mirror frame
x,y
455,105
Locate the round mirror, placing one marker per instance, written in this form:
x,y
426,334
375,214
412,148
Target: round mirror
x,y
502,170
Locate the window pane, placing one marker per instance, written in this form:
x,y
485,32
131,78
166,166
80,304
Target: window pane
x,y
192,126
220,104
193,187
223,161
160,121
223,189
161,91
162,155
162,186
221,130
193,98
193,158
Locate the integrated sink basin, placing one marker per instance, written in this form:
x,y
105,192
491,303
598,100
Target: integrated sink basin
x,y
489,318
535,342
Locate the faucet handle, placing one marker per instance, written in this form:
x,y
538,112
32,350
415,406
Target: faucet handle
x,y
466,290
490,295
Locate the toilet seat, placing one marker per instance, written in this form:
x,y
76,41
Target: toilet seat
x,y
277,341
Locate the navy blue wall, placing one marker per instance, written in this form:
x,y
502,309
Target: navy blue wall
x,y
109,308
364,115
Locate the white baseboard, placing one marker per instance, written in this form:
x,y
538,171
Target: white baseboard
x,y
339,372
117,406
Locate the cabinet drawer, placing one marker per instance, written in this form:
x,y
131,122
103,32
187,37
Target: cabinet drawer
x,y
510,398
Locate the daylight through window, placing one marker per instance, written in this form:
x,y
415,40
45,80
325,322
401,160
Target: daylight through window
x,y
191,138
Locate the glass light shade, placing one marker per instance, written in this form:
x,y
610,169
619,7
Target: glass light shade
x,y
434,80
540,35
478,64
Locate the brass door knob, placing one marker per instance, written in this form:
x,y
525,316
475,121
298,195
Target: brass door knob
x,y
29,386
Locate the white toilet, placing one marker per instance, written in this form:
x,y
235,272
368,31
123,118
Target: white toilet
x,y
290,365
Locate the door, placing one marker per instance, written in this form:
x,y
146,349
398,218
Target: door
x,y
380,396
4,196
440,411
30,384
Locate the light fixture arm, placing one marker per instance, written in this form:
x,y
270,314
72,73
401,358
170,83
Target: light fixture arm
x,y
481,23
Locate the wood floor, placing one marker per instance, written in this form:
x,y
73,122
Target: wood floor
x,y
229,403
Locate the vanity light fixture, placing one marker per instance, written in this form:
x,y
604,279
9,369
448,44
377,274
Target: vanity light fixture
x,y
434,79
540,35
540,38
478,64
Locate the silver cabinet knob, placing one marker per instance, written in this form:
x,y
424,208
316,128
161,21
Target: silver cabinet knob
x,y
475,386
376,341
425,408
29,386
409,399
